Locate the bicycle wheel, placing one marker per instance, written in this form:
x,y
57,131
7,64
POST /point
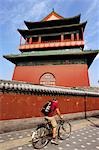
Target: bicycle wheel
x,y
40,137
64,130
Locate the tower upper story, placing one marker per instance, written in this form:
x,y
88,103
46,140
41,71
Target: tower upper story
x,y
53,32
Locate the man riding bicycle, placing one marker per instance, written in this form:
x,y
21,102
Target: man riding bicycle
x,y
51,117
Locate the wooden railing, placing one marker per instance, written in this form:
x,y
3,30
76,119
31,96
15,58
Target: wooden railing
x,y
49,44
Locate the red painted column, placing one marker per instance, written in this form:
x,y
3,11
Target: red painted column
x,y
39,39
77,36
30,40
26,41
82,33
72,36
62,37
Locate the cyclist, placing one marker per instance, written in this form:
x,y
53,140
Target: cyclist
x,y
51,117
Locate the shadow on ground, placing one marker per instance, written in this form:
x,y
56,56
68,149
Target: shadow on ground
x,y
92,122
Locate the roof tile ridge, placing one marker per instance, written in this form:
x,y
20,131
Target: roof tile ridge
x,y
52,13
79,16
83,23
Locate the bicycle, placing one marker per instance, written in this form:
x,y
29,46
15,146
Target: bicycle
x,y
43,133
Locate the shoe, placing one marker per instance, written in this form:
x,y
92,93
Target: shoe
x,y
53,141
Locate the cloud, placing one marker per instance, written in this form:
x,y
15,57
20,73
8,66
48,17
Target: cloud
x,y
91,30
15,12
91,9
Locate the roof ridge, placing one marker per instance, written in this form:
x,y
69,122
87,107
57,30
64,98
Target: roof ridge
x,y
52,13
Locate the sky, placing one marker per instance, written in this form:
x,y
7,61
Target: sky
x,y
14,12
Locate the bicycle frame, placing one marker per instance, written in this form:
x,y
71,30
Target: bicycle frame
x,y
44,132
49,126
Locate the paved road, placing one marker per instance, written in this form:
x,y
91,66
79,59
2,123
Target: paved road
x,y
84,136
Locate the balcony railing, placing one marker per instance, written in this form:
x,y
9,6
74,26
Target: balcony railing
x,y
51,44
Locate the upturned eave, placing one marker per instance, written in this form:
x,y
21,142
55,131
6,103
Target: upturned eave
x,y
55,29
89,55
42,24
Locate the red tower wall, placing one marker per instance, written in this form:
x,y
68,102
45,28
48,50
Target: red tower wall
x,y
66,75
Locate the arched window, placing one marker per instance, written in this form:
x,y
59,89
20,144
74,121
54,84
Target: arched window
x,y
47,79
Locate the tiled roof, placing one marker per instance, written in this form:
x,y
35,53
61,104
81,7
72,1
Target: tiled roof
x,y
53,52
48,30
88,54
24,87
71,20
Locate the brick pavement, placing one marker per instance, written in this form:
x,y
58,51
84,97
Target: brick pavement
x,y
85,136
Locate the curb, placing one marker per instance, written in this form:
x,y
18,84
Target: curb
x,y
21,124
